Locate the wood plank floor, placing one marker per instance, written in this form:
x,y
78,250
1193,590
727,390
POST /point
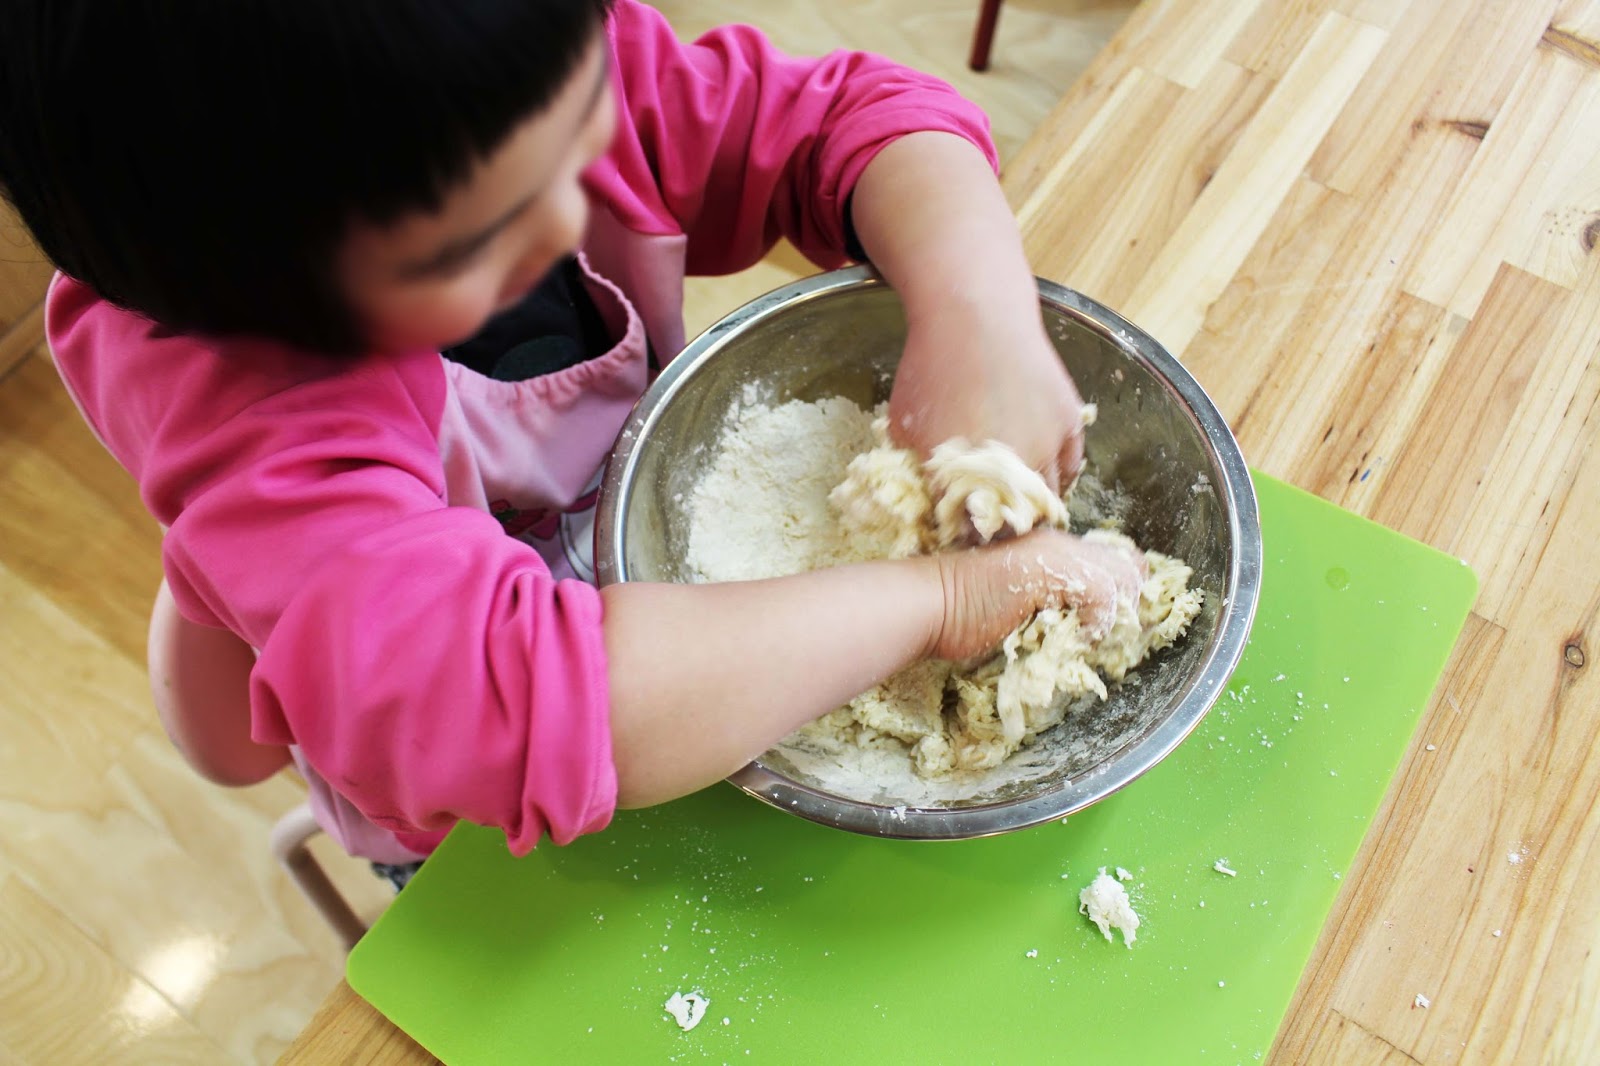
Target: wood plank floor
x,y
141,918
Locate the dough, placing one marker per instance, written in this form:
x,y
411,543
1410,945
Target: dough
x,y
762,510
687,1009
987,488
1106,903
884,500
891,500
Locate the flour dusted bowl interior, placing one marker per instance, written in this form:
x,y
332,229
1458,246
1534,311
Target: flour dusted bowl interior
x,y
1173,469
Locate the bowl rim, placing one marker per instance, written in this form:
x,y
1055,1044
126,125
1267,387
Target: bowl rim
x,y
1236,614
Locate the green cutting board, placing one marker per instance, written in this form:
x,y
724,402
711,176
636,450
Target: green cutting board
x,y
815,945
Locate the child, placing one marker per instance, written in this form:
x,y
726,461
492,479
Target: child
x,y
357,288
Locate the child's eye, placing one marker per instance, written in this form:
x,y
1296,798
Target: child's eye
x,y
450,262
461,255
458,262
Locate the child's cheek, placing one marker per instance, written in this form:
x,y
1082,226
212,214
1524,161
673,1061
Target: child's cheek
x,y
602,128
433,316
462,309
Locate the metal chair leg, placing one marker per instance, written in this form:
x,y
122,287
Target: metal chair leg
x,y
291,838
983,37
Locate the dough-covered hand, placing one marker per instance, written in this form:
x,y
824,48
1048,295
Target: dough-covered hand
x,y
990,591
966,376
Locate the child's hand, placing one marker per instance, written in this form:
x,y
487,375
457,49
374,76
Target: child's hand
x,y
962,375
991,591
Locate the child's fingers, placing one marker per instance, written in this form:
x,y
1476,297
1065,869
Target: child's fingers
x,y
1069,462
1093,577
995,589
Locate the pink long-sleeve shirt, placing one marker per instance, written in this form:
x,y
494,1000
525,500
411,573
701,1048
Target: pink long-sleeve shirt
x,y
350,518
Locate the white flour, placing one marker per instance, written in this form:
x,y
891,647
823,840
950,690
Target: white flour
x,y
803,485
762,509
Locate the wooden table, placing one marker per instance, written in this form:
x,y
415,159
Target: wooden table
x,y
1368,228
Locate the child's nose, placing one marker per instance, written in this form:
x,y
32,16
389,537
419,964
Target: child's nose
x,y
569,219
556,235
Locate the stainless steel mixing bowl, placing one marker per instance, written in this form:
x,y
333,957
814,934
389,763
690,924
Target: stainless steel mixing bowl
x,y
1159,440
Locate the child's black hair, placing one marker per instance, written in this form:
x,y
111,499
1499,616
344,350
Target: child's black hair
x,y
198,161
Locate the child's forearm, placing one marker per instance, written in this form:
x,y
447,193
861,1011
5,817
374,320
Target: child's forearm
x,y
705,677
200,679
935,223
977,361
